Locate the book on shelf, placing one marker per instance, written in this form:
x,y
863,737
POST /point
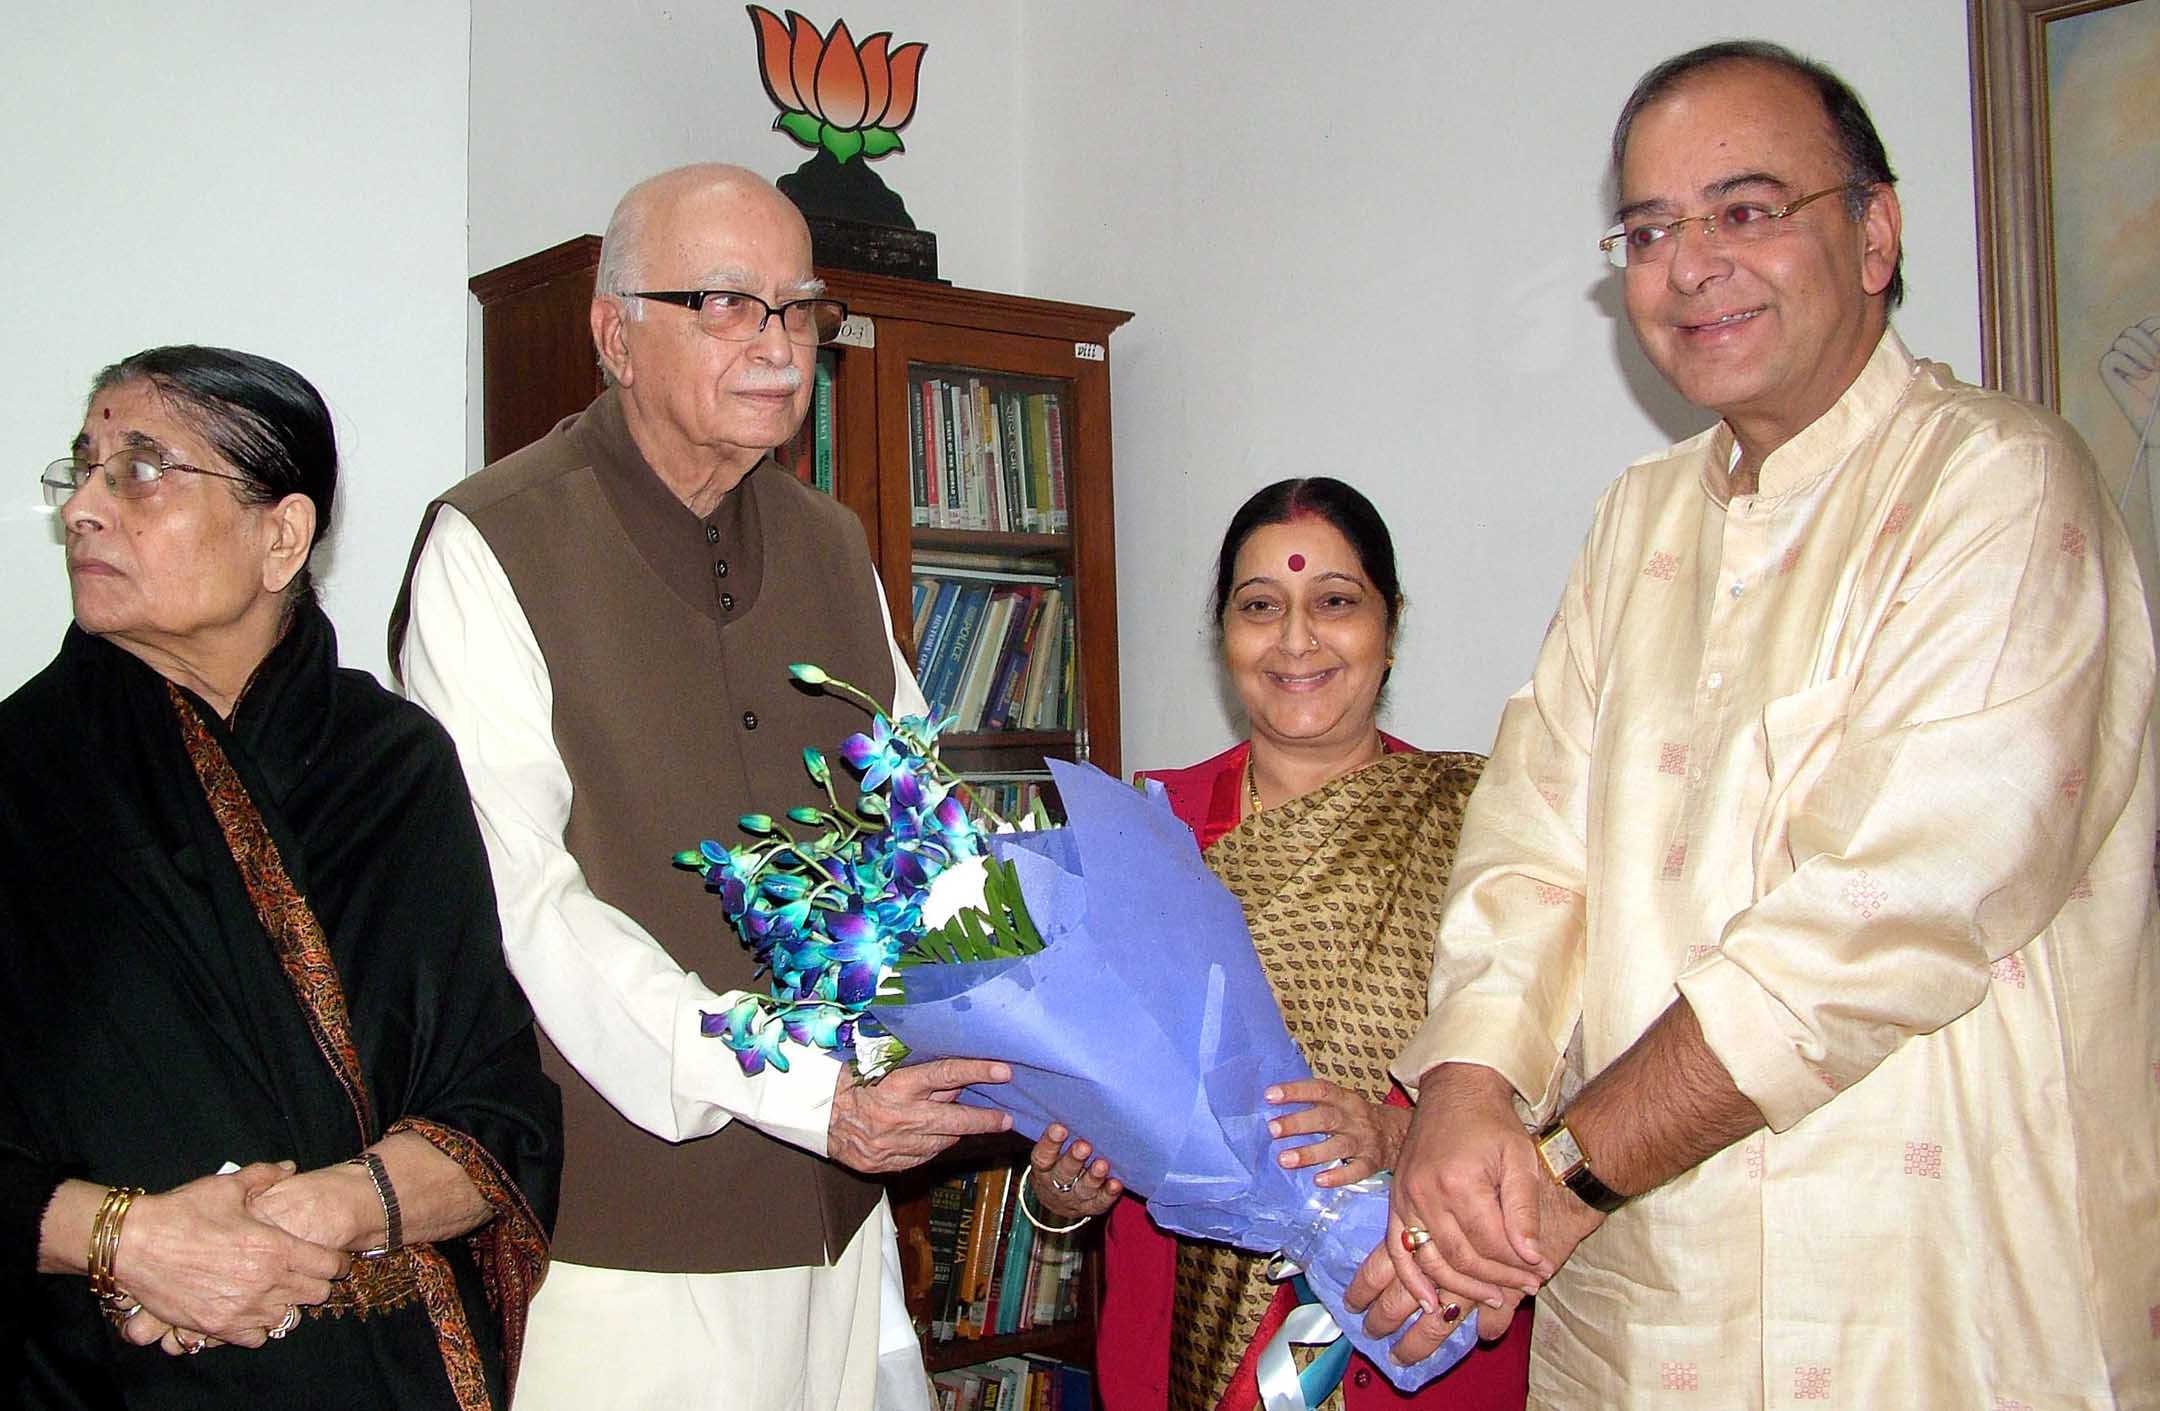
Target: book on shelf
x,y
808,454
948,669
1029,1383
991,647
949,1202
821,412
918,483
991,1272
1038,425
1012,796
990,455
1054,417
991,1322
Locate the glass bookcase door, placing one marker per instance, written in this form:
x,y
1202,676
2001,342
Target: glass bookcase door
x,y
991,591
1009,623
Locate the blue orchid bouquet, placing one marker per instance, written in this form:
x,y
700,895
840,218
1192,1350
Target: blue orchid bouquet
x,y
836,913
1136,1014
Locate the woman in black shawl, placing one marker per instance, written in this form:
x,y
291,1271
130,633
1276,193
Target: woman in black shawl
x,y
266,1088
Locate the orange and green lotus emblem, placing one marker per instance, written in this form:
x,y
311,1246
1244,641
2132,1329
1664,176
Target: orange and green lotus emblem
x,y
850,99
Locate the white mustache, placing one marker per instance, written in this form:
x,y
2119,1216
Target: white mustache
x,y
785,379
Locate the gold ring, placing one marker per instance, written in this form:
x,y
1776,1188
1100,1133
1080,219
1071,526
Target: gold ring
x,y
191,1348
1450,1312
291,1321
1415,1237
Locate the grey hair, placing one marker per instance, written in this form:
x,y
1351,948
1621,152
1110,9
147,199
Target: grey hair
x,y
618,273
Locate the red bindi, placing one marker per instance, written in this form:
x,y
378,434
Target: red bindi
x,y
1297,563
108,413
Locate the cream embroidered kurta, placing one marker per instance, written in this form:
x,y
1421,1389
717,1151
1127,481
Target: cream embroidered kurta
x,y
1858,765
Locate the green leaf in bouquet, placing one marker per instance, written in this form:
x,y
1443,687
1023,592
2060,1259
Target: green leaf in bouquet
x,y
1000,929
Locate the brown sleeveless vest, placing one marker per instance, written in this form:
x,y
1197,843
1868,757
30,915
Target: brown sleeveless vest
x,y
667,640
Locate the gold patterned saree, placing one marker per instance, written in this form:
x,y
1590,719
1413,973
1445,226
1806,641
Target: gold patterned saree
x,y
1342,889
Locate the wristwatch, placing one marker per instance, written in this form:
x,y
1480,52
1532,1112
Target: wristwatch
x,y
1564,1158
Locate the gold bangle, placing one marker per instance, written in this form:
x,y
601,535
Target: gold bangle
x,y
1025,1183
105,1242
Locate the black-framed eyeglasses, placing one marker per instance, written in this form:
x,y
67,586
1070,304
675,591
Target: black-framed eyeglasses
x,y
131,475
739,317
1739,221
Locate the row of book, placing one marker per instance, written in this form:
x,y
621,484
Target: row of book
x,y
994,651
986,455
1016,1384
808,454
1012,797
991,1271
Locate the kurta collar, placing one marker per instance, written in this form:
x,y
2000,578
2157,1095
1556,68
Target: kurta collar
x,y
1824,443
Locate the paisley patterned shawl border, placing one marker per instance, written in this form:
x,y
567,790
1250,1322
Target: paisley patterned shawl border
x,y
510,1249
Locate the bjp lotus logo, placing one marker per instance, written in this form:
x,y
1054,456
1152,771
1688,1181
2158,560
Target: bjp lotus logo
x,y
849,99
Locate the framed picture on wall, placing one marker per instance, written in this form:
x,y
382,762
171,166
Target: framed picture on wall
x,y
2066,134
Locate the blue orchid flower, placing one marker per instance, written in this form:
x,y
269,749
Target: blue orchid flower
x,y
874,755
824,1025
754,1036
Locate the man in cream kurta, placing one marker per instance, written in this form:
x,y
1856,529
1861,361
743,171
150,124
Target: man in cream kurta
x,y
1822,840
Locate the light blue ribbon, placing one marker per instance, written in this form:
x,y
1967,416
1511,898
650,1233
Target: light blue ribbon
x,y
1283,1387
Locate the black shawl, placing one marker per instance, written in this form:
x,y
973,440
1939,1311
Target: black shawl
x,y
148,1033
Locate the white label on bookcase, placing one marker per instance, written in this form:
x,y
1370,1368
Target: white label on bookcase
x,y
856,331
1088,352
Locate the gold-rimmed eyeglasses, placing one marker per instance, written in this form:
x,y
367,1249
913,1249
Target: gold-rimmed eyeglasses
x,y
1737,221
131,475
739,317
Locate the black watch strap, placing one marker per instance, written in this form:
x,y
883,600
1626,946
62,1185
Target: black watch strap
x,y
1564,1158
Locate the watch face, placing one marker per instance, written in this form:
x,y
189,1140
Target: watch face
x,y
1561,1153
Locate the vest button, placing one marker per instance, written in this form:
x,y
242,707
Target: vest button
x,y
1363,1376
712,533
749,720
719,568
727,602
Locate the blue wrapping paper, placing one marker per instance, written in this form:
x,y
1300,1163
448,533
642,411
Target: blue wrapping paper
x,y
1147,1026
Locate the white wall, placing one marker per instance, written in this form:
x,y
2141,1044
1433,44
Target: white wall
x,y
1360,241
284,178
574,102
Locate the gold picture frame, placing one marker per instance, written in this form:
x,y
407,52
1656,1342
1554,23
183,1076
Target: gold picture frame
x,y
2014,186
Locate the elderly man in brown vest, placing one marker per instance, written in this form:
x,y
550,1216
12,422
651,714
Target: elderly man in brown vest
x,y
603,621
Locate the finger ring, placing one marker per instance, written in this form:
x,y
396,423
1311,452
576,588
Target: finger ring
x,y
1415,1237
1065,1187
291,1321
191,1348
117,1312
1450,1312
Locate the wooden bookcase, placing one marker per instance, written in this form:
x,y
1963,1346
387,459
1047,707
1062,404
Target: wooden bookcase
x,y
538,367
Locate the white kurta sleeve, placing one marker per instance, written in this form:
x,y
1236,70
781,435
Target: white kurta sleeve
x,y
611,999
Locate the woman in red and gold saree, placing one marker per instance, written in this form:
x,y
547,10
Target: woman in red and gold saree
x,y
1338,840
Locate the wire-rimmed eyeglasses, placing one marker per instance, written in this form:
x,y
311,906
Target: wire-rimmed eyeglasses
x,y
1739,221
131,474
